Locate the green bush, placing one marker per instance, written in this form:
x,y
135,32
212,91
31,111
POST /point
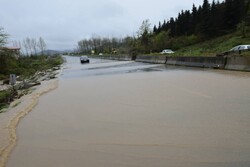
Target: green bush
x,y
2,76
4,96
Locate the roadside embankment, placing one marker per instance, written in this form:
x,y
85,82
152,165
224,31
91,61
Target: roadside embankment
x,y
9,93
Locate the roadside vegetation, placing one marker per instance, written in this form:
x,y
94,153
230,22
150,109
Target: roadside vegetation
x,y
214,46
27,68
205,30
4,99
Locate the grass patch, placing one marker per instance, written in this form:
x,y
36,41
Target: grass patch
x,y
4,99
4,96
213,46
3,107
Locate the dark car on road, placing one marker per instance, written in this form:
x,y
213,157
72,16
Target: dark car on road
x,y
84,59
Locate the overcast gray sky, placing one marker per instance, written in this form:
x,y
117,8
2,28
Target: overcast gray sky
x,y
62,23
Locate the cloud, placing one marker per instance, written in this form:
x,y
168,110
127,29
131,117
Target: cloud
x,y
64,22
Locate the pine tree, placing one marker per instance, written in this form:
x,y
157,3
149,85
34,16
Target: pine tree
x,y
188,22
247,13
193,19
233,13
155,29
204,28
172,26
214,20
159,27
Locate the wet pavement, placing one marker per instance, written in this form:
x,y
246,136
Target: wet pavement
x,y
124,113
96,67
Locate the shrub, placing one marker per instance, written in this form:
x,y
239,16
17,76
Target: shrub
x,y
4,95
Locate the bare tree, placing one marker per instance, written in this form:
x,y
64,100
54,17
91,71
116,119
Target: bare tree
x,y
15,43
29,45
144,28
105,44
41,45
18,44
33,44
26,47
144,36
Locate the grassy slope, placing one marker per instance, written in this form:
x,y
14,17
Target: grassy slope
x,y
214,46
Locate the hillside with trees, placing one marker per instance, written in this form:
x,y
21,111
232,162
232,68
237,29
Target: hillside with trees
x,y
228,20
205,22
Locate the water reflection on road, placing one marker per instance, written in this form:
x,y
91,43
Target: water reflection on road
x,y
105,67
74,68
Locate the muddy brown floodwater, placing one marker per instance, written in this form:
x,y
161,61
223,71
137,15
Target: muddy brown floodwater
x,y
126,114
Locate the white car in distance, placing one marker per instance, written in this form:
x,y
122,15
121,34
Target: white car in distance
x,y
166,51
240,48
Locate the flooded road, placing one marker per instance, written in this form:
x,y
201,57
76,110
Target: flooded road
x,y
129,114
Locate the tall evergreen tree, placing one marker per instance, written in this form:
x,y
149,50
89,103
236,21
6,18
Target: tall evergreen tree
x,y
193,19
198,20
159,27
164,25
172,25
188,23
178,24
155,29
247,13
204,25
233,13
214,20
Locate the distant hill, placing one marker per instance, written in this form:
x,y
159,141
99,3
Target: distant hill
x,y
50,52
